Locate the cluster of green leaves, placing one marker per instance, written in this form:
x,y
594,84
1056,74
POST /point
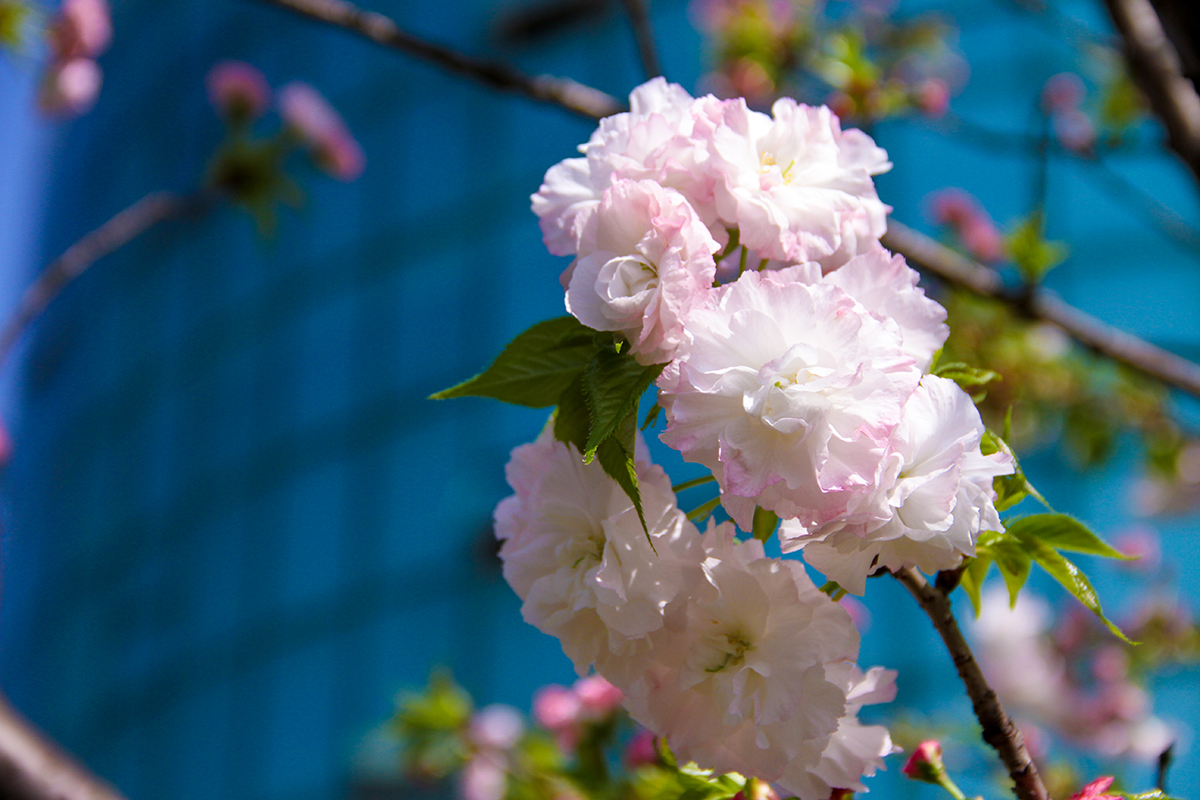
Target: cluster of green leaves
x,y
433,728
13,17
592,379
1029,250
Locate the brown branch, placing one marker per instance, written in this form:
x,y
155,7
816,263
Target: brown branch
x,y
117,232
1124,348
644,34
1155,67
569,94
998,730
33,768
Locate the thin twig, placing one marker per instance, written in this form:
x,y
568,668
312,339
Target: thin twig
x,y
1124,348
919,249
998,730
644,34
576,97
1155,67
33,768
126,226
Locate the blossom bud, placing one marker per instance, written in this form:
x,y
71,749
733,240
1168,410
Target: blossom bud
x,y
640,751
933,97
496,727
69,89
925,764
598,697
1062,92
318,125
556,707
1095,790
238,91
81,29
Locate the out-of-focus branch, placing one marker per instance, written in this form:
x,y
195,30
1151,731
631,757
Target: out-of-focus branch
x,y
998,730
569,94
117,232
644,34
1156,69
917,248
33,768
1124,348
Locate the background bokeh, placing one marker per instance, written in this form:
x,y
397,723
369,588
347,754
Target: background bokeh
x,y
233,526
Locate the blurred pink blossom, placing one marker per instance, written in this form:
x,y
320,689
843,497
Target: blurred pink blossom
x,y
640,752
961,212
1142,542
496,727
933,97
556,707
597,696
1096,791
81,29
316,122
1074,130
70,88
1062,92
237,90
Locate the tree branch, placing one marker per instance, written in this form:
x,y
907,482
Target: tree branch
x,y
126,226
645,37
1155,66
33,768
1098,336
917,248
569,94
998,730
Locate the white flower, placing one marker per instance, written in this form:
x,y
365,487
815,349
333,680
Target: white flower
x,y
797,186
938,489
645,260
789,393
575,552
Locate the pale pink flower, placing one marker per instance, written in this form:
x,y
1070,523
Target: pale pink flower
x,y
1074,130
556,707
70,88
789,393
938,489
484,777
237,90
961,212
80,29
318,125
663,137
645,260
787,181
575,551
933,97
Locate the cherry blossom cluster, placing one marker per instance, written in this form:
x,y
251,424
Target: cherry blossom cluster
x,y
741,252
79,33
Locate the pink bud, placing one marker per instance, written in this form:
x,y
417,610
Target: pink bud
x,y
311,117
1142,543
485,777
933,96
1074,130
640,752
81,29
597,696
1062,92
1095,790
69,89
925,764
982,240
556,707
237,90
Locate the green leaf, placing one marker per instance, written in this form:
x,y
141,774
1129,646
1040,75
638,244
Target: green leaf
x,y
966,376
1153,794
616,456
1063,532
764,523
972,580
1029,250
1010,489
571,418
613,384
535,368
651,416
1070,576
1013,562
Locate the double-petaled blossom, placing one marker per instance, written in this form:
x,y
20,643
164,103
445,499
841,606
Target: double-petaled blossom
x,y
796,185
645,260
788,391
936,491
575,552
